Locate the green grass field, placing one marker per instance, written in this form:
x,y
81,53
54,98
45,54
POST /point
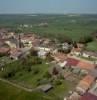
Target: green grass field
x,y
8,92
62,90
73,27
92,46
28,78
31,79
23,75
58,25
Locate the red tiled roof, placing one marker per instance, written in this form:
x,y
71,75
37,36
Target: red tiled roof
x,y
89,96
88,79
4,50
15,51
85,65
76,49
72,62
86,82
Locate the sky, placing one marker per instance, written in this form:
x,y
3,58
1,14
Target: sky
x,y
48,6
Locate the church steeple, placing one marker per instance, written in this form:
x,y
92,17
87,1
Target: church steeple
x,y
20,41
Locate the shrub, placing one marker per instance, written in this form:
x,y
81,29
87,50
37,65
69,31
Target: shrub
x,y
35,71
86,39
47,75
57,82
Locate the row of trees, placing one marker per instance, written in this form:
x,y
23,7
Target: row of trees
x,y
83,39
61,38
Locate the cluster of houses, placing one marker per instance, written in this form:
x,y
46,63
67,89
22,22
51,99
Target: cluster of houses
x,y
87,86
17,46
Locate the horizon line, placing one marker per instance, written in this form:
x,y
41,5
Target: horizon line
x,y
46,13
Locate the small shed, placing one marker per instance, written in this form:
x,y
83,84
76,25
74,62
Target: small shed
x,y
46,88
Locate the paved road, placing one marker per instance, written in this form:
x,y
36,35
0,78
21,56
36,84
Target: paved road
x,y
18,86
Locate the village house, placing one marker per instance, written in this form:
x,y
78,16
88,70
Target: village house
x,y
88,96
27,43
67,74
46,41
66,46
11,45
27,40
59,57
45,24
12,42
4,50
36,43
62,64
75,64
17,53
84,65
42,54
85,84
74,96
2,42
76,51
43,48
89,54
43,51
56,71
71,62
3,33
45,88
80,45
10,34
79,63
55,51
93,72
93,90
